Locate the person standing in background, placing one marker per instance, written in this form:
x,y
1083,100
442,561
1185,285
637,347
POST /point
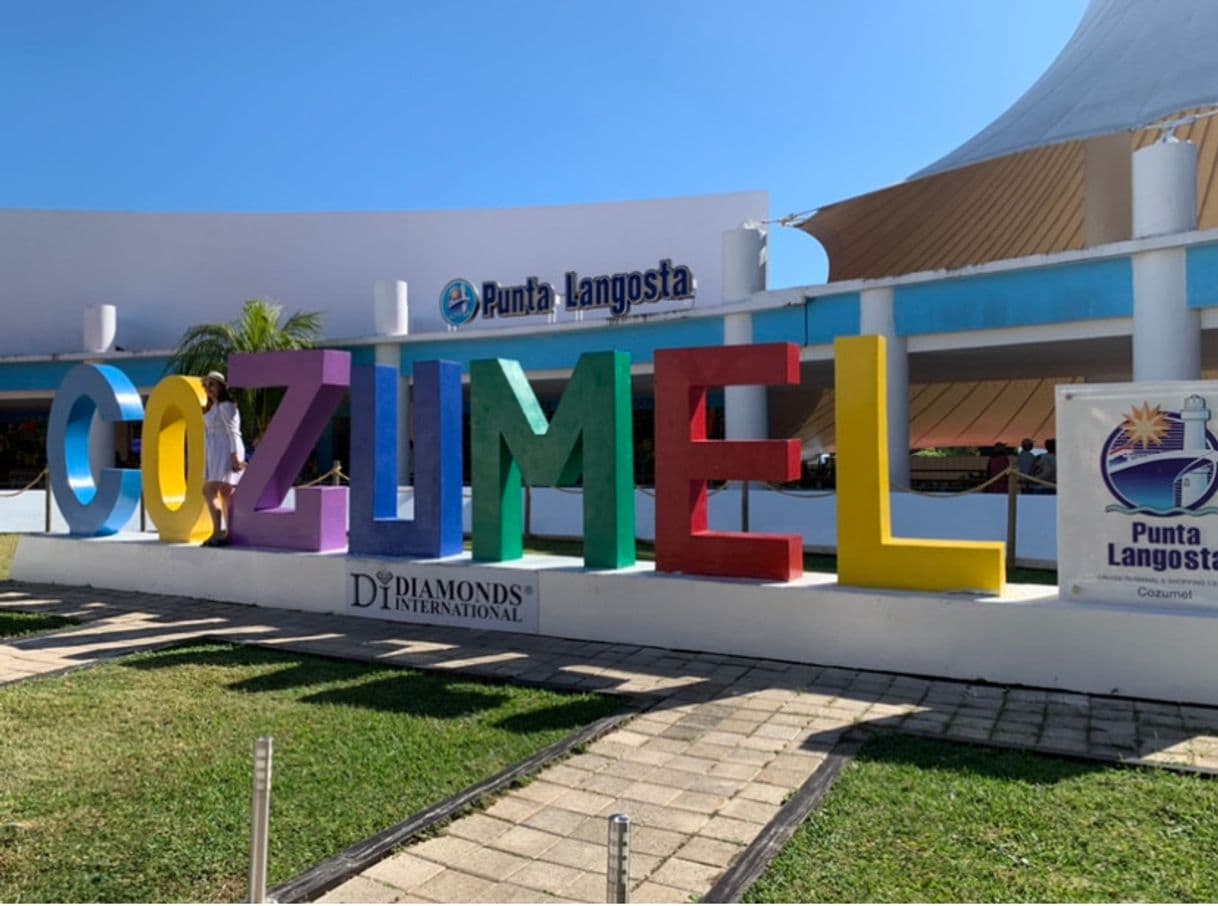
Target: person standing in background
x,y
224,455
1046,468
999,462
1025,462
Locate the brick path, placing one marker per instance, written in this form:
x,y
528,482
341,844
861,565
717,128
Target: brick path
x,y
721,745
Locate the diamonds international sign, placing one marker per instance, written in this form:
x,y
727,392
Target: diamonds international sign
x,y
1137,509
474,598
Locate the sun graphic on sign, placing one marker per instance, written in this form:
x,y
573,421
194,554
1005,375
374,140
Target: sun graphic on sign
x,y
1145,426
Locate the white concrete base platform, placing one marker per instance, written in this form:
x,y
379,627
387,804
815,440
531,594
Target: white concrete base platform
x,y
1026,637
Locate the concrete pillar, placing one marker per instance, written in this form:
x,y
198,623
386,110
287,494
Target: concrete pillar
x,y
391,354
744,273
745,260
100,328
745,408
746,413
876,318
391,308
1166,332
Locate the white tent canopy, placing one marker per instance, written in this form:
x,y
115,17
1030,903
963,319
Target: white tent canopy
x,y
1129,64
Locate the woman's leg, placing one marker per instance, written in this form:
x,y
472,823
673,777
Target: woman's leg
x,y
223,500
211,496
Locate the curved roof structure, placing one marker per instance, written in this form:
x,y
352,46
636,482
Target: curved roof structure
x,y
1017,187
1129,63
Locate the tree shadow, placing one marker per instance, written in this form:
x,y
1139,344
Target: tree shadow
x,y
207,653
573,713
416,694
975,759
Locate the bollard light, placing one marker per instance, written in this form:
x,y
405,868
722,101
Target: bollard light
x,y
261,818
617,889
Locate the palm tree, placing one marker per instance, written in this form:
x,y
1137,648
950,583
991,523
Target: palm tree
x,y
207,347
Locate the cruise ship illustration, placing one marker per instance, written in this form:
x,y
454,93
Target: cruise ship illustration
x,y
1175,469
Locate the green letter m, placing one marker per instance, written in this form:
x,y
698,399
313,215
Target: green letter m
x,y
591,434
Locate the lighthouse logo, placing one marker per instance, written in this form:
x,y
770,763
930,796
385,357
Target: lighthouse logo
x,y
458,302
1162,462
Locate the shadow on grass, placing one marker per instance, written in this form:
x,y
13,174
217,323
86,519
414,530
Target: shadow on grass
x,y
975,760
402,692
416,694
577,712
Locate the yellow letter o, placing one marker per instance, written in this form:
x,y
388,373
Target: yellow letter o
x,y
173,460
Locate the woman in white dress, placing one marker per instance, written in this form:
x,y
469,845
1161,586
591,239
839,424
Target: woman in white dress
x,y
224,454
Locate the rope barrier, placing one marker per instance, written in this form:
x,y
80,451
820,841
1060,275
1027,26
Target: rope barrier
x,y
790,492
29,487
335,472
1009,472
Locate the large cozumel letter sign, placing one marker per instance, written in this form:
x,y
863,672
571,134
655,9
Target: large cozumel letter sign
x,y
589,439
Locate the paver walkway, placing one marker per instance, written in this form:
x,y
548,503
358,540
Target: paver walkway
x,y
721,743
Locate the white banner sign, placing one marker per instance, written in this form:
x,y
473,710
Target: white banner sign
x,y
458,595
1137,511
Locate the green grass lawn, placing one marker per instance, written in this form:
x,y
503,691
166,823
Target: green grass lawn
x,y
916,820
8,547
14,624
131,781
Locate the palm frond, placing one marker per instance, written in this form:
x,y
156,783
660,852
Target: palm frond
x,y
207,347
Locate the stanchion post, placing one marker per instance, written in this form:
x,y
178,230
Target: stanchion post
x,y
336,472
261,818
744,505
617,888
1012,510
47,503
143,514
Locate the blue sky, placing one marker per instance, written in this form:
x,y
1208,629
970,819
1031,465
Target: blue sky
x,y
405,105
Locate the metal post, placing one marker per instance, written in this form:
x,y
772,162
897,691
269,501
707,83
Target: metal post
x,y
617,889
336,472
1012,509
47,484
143,515
744,506
261,818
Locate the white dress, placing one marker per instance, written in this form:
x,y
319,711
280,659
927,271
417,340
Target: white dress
x,y
222,440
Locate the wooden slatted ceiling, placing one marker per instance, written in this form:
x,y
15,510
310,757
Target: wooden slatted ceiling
x,y
959,414
1029,203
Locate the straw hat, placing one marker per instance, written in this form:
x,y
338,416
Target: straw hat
x,y
217,376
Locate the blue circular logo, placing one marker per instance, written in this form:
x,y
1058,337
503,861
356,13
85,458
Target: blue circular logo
x,y
458,302
1162,462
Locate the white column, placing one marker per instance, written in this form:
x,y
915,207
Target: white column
x,y
745,259
391,308
744,273
745,409
1166,333
391,354
876,318
100,327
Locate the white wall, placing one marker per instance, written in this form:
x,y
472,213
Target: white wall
x,y
168,271
1029,636
975,517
